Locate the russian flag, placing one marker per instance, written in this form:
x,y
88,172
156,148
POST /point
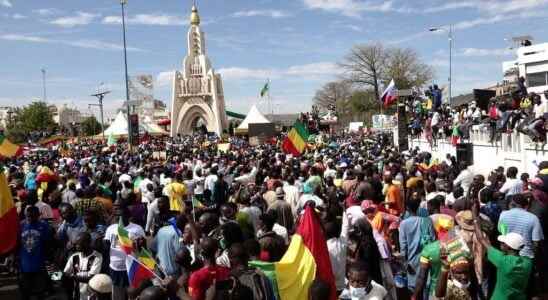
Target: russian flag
x,y
390,95
137,271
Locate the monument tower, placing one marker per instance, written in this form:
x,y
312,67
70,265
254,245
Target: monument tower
x,y
197,92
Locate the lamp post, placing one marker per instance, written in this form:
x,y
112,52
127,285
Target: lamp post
x,y
129,138
449,30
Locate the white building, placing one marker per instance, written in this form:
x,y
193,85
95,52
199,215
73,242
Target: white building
x,y
532,64
5,112
197,94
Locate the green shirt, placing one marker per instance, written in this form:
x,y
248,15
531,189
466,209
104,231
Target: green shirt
x,y
512,275
431,255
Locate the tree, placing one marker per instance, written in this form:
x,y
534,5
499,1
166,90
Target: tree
x,y
36,117
30,122
405,67
332,93
370,65
365,66
90,126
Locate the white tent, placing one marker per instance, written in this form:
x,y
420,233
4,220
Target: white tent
x,y
254,116
119,127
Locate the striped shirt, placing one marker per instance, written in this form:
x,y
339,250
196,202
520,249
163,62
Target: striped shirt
x,y
526,224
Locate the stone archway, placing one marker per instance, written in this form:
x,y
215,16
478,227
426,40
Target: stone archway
x,y
190,113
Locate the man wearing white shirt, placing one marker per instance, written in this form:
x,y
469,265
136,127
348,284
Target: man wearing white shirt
x,y
464,179
211,179
512,185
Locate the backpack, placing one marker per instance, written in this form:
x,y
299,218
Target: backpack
x,y
256,282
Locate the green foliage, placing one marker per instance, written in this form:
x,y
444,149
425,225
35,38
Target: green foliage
x,y
33,118
36,117
90,126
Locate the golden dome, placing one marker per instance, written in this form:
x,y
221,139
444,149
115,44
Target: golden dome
x,y
194,17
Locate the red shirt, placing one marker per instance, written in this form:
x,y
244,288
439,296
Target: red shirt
x,y
202,279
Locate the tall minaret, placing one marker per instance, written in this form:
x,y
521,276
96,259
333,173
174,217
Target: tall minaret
x,y
197,89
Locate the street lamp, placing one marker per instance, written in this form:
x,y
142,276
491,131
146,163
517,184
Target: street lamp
x,y
449,30
129,138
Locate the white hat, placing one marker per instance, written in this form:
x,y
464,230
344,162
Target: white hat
x,y
101,283
512,240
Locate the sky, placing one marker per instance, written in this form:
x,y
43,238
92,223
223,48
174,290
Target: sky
x,y
294,43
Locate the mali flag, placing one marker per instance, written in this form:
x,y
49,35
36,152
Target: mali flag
x,y
8,217
306,258
295,142
123,237
9,149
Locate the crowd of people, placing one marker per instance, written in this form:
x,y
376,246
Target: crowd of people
x,y
520,110
397,224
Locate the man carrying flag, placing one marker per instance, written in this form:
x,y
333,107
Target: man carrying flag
x,y
390,94
306,259
122,238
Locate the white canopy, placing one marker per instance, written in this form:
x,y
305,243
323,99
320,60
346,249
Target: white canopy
x,y
119,127
254,116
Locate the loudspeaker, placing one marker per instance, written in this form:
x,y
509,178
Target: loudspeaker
x,y
134,129
465,153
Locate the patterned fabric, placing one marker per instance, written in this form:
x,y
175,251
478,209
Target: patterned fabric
x,y
83,205
455,293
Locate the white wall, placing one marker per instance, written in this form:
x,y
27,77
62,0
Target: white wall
x,y
513,150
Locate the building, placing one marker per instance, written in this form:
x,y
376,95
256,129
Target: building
x,y
65,116
197,94
5,115
532,64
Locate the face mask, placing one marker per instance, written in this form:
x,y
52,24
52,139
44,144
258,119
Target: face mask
x,y
460,285
357,293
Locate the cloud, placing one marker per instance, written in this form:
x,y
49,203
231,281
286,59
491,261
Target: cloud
x,y
18,16
351,8
164,79
307,71
354,8
276,14
81,18
148,19
6,3
470,52
87,44
46,11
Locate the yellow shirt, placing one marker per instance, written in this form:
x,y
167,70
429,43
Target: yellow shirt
x,y
176,191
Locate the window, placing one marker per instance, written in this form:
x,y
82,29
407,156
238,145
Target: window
x,y
537,79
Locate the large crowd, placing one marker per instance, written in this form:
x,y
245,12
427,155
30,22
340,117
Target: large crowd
x,y
519,110
398,225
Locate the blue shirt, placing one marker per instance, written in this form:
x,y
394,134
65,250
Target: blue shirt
x,y
166,245
33,239
526,224
410,243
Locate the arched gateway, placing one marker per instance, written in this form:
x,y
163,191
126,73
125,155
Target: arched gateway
x,y
197,89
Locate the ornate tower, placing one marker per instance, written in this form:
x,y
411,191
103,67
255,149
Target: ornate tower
x,y
197,90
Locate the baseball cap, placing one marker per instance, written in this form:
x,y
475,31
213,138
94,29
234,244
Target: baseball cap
x,y
101,283
512,240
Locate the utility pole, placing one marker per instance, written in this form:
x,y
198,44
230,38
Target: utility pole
x,y
100,97
129,138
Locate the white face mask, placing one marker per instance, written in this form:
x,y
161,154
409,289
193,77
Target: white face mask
x,y
460,285
357,293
